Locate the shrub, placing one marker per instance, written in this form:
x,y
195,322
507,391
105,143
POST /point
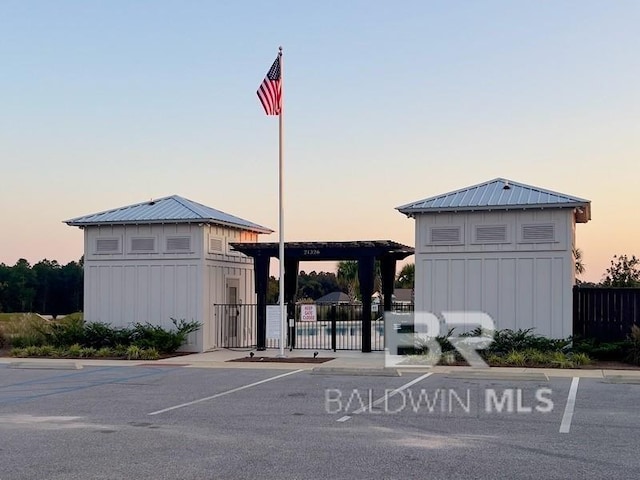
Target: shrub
x,y
133,352
119,350
47,351
149,354
64,333
608,351
165,341
579,359
633,355
18,352
536,358
515,358
507,340
27,340
560,360
495,360
98,335
105,352
74,350
87,352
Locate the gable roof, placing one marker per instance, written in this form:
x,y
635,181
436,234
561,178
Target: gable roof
x,y
499,194
403,294
173,209
334,297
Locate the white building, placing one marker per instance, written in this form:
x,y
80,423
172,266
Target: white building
x,y
163,259
500,247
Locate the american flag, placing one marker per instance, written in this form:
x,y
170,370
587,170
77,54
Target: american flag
x,y
270,90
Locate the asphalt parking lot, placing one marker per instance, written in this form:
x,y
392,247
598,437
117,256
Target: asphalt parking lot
x,y
170,422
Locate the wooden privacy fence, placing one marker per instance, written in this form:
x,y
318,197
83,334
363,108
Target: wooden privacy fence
x,y
606,314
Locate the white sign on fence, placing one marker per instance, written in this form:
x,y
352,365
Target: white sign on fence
x,y
308,313
273,322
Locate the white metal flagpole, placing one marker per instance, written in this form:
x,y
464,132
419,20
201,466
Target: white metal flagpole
x,y
283,310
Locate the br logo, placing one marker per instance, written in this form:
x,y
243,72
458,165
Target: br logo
x,y
412,339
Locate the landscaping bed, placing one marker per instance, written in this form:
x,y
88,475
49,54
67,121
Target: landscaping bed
x,y
257,359
24,336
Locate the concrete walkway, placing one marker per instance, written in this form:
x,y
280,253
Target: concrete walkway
x,y
343,362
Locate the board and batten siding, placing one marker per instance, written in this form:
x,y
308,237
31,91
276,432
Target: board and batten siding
x,y
519,283
153,273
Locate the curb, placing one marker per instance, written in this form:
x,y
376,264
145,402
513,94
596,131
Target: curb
x,y
372,372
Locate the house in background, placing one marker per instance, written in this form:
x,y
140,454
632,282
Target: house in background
x,y
499,247
334,298
400,296
168,258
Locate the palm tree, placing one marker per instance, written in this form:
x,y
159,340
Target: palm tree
x,y
578,264
406,277
348,277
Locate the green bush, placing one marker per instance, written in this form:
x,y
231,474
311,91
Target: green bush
x,y
47,351
515,358
18,352
133,352
495,360
105,352
560,360
74,351
580,359
99,335
607,351
87,352
633,352
27,340
536,358
64,333
507,340
165,341
149,354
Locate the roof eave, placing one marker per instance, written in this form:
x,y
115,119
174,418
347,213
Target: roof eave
x,y
254,228
410,212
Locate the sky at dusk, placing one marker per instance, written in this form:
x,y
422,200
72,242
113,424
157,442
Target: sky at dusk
x,y
109,103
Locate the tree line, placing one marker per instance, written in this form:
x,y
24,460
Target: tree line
x,y
47,287
314,285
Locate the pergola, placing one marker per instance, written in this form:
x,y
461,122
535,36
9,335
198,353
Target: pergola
x,y
365,252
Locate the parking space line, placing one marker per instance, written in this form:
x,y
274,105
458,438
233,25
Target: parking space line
x,y
385,397
217,395
565,426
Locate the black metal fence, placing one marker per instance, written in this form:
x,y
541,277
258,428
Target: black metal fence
x,y
337,327
235,325
605,314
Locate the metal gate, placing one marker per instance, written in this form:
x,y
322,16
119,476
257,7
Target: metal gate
x,y
337,327
235,325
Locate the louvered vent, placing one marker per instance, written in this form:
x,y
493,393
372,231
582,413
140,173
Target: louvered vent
x,y
491,234
143,244
107,245
538,233
445,235
179,244
216,245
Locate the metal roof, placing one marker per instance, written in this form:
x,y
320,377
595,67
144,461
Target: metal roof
x,y
173,209
499,194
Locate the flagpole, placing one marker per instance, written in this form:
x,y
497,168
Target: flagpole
x,y
283,317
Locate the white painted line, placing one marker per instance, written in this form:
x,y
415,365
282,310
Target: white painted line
x,y
568,409
385,397
222,394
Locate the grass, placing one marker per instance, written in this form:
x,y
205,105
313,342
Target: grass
x,y
29,335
